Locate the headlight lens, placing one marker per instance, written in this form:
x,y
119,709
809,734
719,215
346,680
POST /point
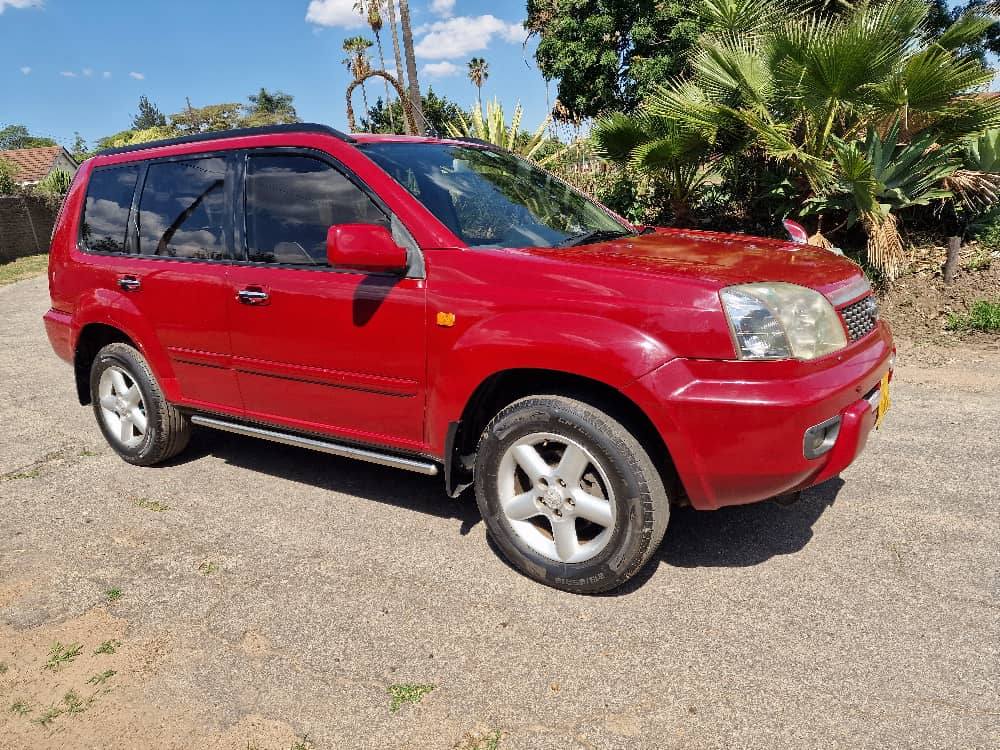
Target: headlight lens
x,y
779,321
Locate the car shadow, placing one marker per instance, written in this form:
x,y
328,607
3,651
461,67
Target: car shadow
x,y
738,536
380,484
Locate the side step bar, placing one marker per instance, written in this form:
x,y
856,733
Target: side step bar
x,y
336,449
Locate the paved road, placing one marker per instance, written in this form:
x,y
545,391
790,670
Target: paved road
x,y
283,592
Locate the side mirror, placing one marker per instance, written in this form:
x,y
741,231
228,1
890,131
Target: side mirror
x,y
364,247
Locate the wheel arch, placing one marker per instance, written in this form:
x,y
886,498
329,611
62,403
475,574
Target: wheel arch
x,y
92,338
506,386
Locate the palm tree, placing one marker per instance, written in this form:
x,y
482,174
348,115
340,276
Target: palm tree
x,y
371,11
411,61
357,62
479,71
798,85
391,5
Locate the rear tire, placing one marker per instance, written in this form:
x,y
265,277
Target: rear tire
x,y
568,494
131,410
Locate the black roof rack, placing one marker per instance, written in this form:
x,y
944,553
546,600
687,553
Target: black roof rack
x,y
295,127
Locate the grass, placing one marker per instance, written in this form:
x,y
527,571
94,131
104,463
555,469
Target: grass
x,y
3,667
982,316
489,741
406,693
207,568
60,655
100,679
21,708
302,744
108,647
146,504
23,268
74,703
48,716
113,595
28,474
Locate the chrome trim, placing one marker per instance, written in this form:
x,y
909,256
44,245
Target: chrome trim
x,y
854,290
335,449
874,397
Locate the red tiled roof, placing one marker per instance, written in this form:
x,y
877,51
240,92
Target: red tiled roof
x,y
32,163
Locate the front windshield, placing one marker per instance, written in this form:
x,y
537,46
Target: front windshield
x,y
492,198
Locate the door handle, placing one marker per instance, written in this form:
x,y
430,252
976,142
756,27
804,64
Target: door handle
x,y
129,284
253,295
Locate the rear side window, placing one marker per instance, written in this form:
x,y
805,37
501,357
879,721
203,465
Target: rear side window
x,y
106,210
182,211
291,202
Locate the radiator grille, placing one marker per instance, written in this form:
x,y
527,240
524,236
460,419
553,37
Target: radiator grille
x,y
860,317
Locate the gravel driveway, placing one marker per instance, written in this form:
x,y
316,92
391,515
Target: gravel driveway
x,y
250,595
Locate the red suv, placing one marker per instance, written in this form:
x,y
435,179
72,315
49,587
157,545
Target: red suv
x,y
444,306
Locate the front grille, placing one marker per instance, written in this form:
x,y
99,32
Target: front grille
x,y
860,317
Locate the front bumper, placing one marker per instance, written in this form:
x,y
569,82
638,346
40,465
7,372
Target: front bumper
x,y
735,428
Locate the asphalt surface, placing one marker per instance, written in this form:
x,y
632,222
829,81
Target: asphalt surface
x,y
866,616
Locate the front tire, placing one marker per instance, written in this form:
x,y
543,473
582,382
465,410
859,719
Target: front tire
x,y
131,410
568,494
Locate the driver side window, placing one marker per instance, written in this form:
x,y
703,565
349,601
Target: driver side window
x,y
291,202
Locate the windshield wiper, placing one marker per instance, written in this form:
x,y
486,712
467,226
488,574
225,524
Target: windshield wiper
x,y
593,236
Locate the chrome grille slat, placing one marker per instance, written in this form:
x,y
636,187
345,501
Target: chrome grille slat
x,y
860,317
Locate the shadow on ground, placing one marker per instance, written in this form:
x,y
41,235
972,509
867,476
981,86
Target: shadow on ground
x,y
739,536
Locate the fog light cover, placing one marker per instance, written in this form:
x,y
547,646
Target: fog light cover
x,y
819,439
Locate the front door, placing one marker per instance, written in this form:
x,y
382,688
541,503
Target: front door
x,y
316,348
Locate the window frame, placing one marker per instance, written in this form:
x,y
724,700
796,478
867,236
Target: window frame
x,y
81,219
415,259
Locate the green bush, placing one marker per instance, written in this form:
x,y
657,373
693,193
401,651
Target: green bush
x,y
8,175
55,184
982,316
986,229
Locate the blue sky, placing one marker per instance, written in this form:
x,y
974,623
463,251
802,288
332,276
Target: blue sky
x,y
67,65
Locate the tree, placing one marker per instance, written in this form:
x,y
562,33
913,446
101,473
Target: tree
x,y
267,108
80,150
357,62
609,54
206,119
149,116
411,63
479,71
799,87
439,111
17,136
133,137
371,11
400,78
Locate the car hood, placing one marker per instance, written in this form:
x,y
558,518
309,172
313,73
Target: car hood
x,y
716,260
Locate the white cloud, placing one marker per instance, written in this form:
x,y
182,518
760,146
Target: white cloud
x,y
441,69
68,74
334,13
106,74
88,72
4,4
456,37
26,70
443,7
137,76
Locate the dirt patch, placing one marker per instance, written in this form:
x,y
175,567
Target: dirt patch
x,y
86,682
919,304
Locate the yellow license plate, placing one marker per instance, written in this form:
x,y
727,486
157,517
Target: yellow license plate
x,y
884,402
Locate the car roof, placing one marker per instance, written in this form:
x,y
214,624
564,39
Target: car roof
x,y
298,127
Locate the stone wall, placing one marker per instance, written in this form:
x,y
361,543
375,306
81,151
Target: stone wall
x,y
25,226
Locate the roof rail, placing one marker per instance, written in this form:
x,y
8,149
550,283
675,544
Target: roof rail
x,y
477,141
295,127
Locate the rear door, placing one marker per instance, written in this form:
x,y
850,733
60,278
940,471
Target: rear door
x,y
314,347
172,263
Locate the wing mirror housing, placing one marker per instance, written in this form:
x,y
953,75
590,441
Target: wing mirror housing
x,y
364,247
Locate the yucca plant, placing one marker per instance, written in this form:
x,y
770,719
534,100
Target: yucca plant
x,y
491,126
796,84
880,176
976,185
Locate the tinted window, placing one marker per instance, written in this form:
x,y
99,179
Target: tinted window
x,y
491,198
291,202
182,212
105,214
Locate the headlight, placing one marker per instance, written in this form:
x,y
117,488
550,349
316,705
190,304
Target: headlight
x,y
779,321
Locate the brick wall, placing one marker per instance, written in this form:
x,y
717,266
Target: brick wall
x,y
25,226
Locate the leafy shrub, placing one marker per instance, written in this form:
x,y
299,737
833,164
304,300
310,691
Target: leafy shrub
x,y
56,183
8,178
986,229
